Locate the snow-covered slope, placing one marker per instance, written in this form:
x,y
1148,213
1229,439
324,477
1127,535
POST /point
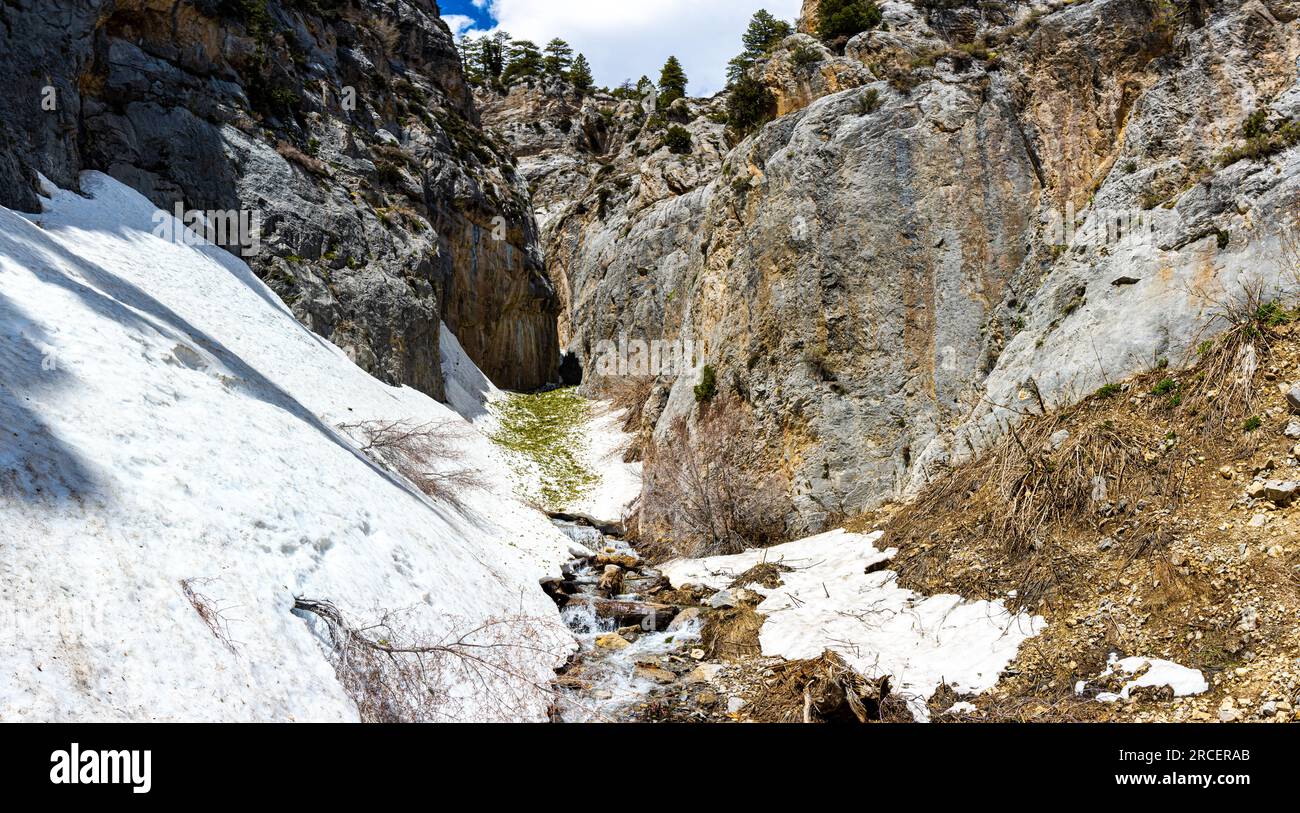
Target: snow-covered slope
x,y
166,419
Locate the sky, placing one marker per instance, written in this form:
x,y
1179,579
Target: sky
x,y
626,39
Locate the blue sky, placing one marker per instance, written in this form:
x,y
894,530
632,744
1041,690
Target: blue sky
x,y
624,39
455,11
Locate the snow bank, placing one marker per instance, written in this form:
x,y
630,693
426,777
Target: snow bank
x,y
615,495
167,419
830,601
469,392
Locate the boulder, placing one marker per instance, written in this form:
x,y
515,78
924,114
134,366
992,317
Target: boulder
x,y
611,581
1281,492
654,674
612,641
646,615
1293,397
621,559
722,600
683,618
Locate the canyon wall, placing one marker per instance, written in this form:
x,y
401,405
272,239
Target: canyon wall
x,y
345,126
907,258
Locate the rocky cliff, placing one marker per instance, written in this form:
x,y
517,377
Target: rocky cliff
x,y
970,214
341,130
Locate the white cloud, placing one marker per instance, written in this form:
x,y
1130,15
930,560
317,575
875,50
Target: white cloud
x,y
458,23
624,39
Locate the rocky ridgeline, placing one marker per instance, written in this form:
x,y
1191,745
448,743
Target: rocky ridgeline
x,y
345,125
926,243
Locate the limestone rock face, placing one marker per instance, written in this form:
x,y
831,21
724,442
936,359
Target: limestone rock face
x,y
807,23
598,167
803,69
349,131
896,268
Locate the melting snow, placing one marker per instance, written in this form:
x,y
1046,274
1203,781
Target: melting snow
x,y
830,601
1183,680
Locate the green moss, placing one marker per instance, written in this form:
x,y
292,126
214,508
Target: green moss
x,y
545,431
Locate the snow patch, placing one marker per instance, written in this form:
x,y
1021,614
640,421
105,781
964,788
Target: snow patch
x,y
830,601
616,493
1183,680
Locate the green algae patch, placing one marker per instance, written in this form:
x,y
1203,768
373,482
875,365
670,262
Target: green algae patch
x,y
545,432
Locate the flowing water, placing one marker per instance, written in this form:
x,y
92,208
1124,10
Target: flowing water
x,y
604,683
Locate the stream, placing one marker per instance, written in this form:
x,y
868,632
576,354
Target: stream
x,y
632,647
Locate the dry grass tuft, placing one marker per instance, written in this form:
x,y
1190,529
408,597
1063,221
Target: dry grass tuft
x,y
823,690
386,31
731,634
291,153
1029,491
764,574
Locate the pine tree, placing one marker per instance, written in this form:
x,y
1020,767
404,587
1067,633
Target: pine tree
x,y
844,18
471,58
672,83
580,75
525,62
559,58
493,56
738,68
765,32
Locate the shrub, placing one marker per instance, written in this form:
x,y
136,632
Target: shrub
x,y
1262,144
1254,125
750,106
1252,423
1108,391
707,492
1166,386
869,102
417,453
845,18
708,386
396,671
677,140
804,55
1274,314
